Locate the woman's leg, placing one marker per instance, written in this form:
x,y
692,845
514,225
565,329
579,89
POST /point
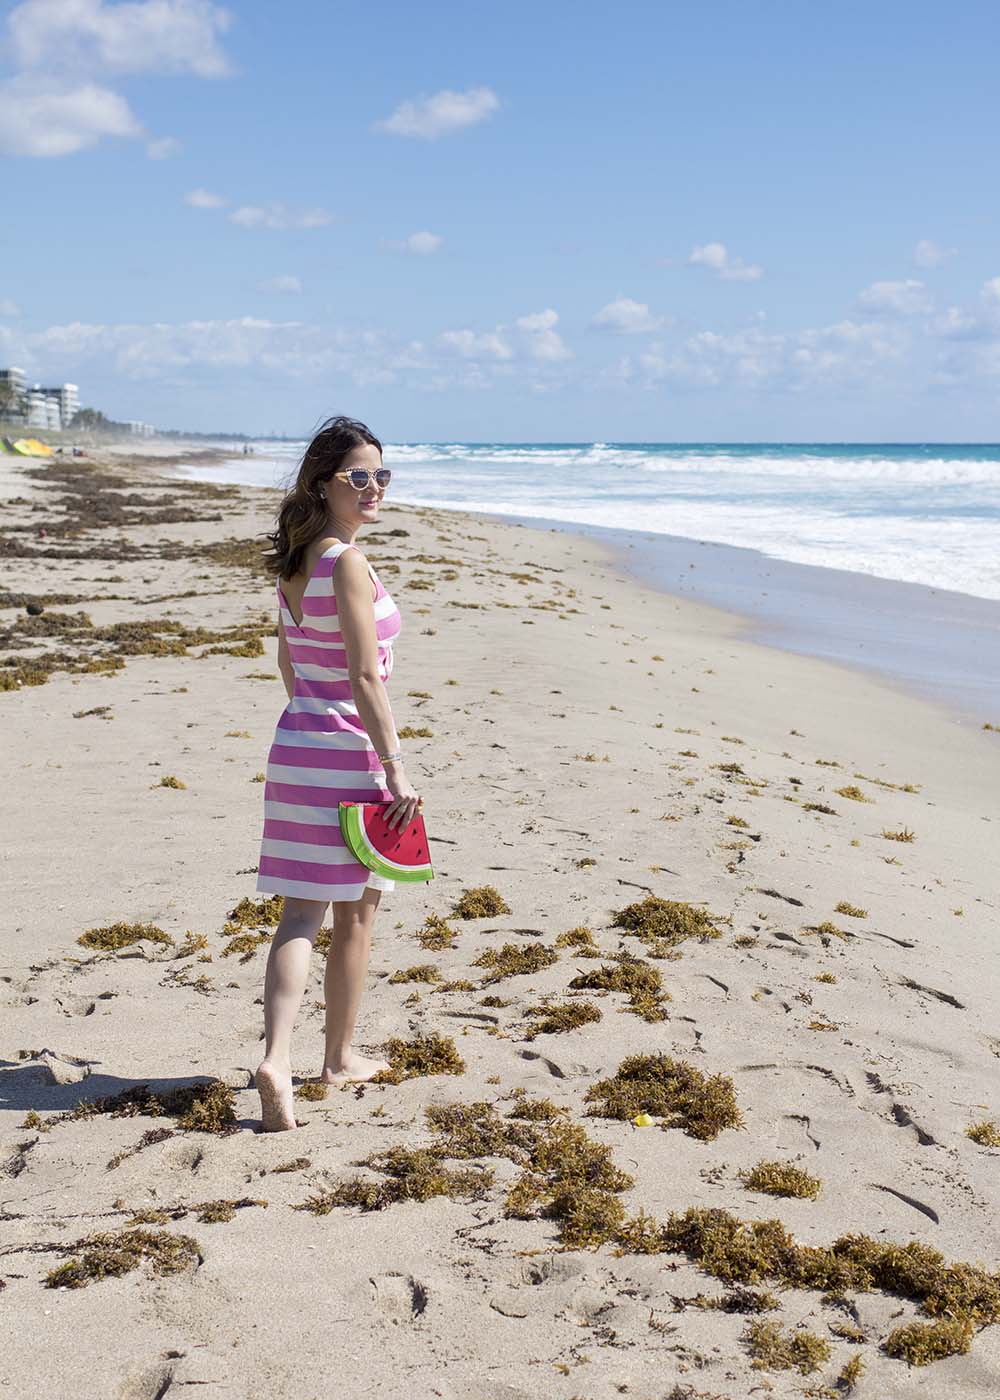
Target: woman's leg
x,y
346,967
284,985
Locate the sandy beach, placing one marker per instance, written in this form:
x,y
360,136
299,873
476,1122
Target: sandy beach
x,y
791,865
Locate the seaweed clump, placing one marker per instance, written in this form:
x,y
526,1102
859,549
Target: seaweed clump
x,y
565,1176
111,1254
425,1054
559,1017
775,1350
739,1251
246,944
481,902
206,1107
986,1133
626,973
581,940
409,1174
254,913
919,1343
422,972
781,1179
573,1180
512,961
435,935
670,1089
122,935
662,924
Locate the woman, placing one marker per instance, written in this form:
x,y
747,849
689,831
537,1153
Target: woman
x,y
336,628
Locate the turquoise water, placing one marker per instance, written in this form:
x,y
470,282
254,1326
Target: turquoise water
x,y
918,513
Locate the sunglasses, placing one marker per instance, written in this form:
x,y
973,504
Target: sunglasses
x,y
360,476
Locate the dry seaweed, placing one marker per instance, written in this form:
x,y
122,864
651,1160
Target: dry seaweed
x,y
773,1349
739,1251
422,972
781,1179
122,935
581,940
436,934
111,1254
665,922
425,1054
207,1107
481,902
669,1089
514,961
986,1133
919,1343
558,1017
625,973
409,1174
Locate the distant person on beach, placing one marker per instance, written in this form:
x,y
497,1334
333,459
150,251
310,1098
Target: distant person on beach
x,y
336,628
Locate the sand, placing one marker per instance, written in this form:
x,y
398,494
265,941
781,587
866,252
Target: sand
x,y
574,787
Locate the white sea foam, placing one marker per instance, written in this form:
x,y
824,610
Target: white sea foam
x,y
928,515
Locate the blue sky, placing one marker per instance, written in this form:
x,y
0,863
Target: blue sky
x,y
556,221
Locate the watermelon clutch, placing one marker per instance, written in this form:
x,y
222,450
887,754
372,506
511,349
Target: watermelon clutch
x,y
402,854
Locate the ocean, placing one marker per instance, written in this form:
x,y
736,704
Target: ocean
x,y
924,516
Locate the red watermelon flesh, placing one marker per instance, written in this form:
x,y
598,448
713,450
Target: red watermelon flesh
x,y
397,854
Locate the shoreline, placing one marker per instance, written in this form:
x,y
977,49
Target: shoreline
x,y
585,743
927,643
933,644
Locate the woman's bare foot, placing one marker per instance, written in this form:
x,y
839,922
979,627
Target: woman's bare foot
x,y
274,1085
351,1068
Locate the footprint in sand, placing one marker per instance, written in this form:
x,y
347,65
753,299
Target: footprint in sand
x,y
399,1297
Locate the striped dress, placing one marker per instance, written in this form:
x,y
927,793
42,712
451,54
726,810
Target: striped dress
x,y
321,754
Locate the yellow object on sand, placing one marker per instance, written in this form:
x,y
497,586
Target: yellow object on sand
x,y
39,449
642,1120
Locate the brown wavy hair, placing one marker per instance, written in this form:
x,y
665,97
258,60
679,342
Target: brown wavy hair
x,y
302,514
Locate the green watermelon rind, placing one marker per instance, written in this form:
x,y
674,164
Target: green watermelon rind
x,y
356,838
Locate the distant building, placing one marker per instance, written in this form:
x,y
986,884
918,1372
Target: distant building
x,y
138,429
67,396
13,388
42,410
38,407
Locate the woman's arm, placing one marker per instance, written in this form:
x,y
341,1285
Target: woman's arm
x,y
284,660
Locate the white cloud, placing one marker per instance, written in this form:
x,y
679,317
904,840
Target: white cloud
x,y
151,36
44,118
57,105
715,257
282,283
544,341
956,324
422,244
444,112
898,298
927,253
488,345
163,148
8,307
844,353
627,317
277,215
204,199
991,289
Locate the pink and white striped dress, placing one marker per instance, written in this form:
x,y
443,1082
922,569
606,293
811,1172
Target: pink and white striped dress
x,y
321,754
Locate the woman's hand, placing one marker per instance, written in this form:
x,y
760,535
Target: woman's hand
x,y
403,807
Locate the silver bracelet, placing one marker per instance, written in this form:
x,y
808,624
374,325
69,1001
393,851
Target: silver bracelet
x,y
388,757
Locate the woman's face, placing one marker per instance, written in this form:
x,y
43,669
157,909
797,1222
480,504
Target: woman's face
x,y
346,504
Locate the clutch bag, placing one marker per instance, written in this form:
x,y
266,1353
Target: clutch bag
x,y
398,854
